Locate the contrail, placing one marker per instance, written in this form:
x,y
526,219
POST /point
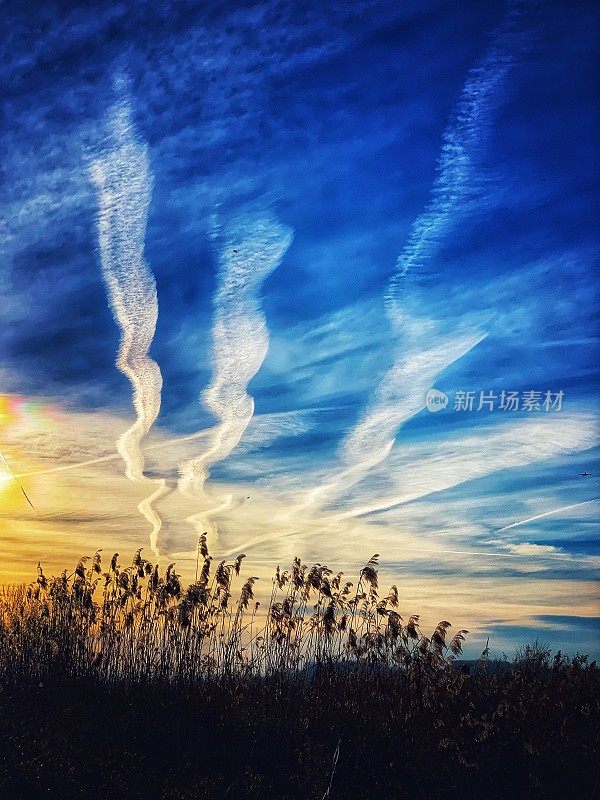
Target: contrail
x,y
252,250
436,467
110,457
547,514
399,397
123,184
462,140
442,465
114,456
422,551
401,392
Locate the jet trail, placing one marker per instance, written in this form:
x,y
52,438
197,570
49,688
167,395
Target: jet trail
x,y
401,392
123,183
462,140
113,457
433,467
400,395
252,250
547,514
437,466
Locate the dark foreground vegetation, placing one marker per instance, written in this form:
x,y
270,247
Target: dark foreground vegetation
x,y
120,682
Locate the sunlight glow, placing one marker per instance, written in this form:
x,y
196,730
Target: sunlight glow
x,y
5,478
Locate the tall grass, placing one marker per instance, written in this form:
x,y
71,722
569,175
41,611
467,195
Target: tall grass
x,y
117,680
135,624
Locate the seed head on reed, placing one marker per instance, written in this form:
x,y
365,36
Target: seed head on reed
x,y
238,563
329,619
313,579
247,593
154,579
412,627
438,637
173,585
80,568
97,562
205,572
456,643
298,573
222,575
41,578
281,578
394,624
369,571
202,546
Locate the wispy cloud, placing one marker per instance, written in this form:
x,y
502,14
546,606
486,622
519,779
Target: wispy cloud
x,y
400,396
252,249
463,140
123,181
545,514
401,392
421,468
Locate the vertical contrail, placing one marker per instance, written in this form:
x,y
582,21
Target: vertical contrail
x,y
252,249
462,139
123,182
401,392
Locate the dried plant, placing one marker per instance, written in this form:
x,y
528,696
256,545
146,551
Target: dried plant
x,y
109,663
142,624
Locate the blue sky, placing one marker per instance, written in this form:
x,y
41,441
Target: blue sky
x,y
290,168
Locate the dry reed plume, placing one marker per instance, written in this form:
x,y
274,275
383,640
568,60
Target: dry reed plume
x,y
135,623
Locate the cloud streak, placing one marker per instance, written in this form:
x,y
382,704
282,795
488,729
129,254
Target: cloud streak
x,y
400,395
547,514
438,465
462,142
401,392
252,249
123,182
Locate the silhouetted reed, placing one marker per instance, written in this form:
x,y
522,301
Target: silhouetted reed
x,y
137,624
120,679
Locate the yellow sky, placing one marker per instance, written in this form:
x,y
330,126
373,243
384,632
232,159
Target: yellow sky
x,y
67,465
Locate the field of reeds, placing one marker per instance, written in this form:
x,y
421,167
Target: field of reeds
x,y
118,678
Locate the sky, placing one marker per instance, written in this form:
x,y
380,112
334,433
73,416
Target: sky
x,y
239,245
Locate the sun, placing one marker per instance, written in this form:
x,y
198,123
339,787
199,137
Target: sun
x,y
5,478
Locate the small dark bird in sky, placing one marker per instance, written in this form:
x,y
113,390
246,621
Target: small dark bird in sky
x,y
235,251
585,474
